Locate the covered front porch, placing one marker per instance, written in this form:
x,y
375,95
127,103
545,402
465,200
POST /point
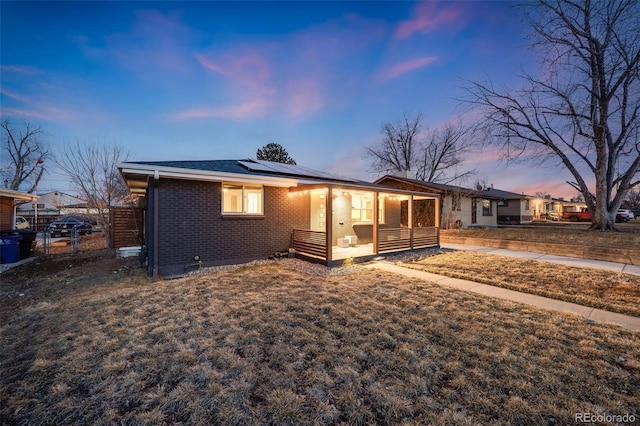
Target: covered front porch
x,y
357,222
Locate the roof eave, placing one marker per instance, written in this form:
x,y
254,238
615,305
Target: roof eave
x,y
17,195
136,176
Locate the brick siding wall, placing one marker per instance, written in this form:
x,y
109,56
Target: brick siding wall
x,y
191,223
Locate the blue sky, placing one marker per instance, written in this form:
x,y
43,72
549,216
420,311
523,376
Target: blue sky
x,y
217,80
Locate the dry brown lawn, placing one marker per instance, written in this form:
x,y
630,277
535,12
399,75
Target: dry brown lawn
x,y
628,237
612,291
273,345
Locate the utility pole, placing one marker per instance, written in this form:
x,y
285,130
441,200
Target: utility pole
x,y
35,192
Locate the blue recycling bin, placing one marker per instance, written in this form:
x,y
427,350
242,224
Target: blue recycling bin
x,y
10,248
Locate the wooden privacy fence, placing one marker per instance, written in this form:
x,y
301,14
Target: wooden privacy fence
x,y
126,227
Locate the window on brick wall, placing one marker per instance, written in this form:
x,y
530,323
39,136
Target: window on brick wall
x,y
242,199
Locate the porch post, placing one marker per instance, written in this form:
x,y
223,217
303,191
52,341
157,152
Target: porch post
x,y
437,215
376,215
410,220
328,226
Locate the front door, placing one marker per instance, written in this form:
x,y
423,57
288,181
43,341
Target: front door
x,y
474,207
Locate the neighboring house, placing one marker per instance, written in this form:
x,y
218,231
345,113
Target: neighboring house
x,y
516,209
8,200
204,213
559,206
52,205
459,208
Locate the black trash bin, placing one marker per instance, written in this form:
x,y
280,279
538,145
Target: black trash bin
x,y
28,237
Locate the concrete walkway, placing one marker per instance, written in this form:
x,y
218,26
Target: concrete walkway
x,y
571,261
593,314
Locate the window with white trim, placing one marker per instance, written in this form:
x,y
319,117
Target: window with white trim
x,y
242,199
362,208
486,208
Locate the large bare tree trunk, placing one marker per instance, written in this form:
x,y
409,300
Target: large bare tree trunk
x,y
583,110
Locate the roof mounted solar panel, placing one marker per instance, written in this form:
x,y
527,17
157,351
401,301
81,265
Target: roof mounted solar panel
x,y
256,166
290,169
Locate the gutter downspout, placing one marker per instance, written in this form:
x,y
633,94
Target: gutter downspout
x,y
156,181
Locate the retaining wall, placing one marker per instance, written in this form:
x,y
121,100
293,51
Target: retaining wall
x,y
628,256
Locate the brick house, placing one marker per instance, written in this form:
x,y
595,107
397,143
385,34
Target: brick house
x,y
233,211
8,202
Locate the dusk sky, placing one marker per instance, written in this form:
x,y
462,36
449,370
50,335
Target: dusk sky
x,y
217,80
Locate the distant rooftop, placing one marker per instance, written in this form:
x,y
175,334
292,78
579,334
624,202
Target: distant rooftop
x,y
492,193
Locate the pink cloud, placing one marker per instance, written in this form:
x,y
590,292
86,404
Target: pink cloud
x,y
35,108
293,72
20,69
404,67
556,189
209,64
247,69
426,18
15,96
255,108
304,96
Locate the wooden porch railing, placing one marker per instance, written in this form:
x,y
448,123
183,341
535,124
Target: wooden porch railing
x,y
397,239
311,243
425,237
394,239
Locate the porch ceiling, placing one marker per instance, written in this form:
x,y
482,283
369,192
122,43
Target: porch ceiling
x,y
361,187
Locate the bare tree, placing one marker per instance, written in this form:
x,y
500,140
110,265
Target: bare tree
x,y
543,194
632,201
442,152
274,152
583,109
26,151
433,156
579,198
92,168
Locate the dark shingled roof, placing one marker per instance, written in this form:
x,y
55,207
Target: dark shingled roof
x,y
226,166
234,166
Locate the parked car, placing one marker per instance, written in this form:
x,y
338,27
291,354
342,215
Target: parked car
x,y
64,226
626,213
636,213
21,223
583,214
621,218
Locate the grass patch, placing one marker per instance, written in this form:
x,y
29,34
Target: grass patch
x,y
273,345
628,237
612,291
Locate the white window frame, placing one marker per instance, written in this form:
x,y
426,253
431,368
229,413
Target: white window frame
x,y
245,201
360,209
486,213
